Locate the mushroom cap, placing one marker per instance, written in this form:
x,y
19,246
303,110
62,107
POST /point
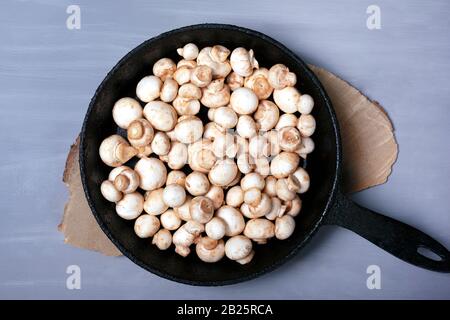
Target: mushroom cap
x,y
235,196
212,59
169,90
210,250
246,127
140,133
287,99
216,94
284,164
235,81
286,120
243,61
127,181
244,101
170,220
283,191
177,156
279,77
234,220
197,183
277,209
189,129
262,208
152,173
182,75
284,227
189,51
200,156
289,139
154,203
225,117
223,172
306,125
217,196
184,211
164,68
162,116
125,111
148,88
174,195
130,206
238,247
110,192
146,226
252,180
306,104
161,143
162,239
176,176
302,177
259,83
201,209
115,151
215,228
201,76
270,186
266,115
259,229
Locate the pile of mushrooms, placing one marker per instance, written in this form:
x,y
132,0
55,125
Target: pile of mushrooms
x,y
223,185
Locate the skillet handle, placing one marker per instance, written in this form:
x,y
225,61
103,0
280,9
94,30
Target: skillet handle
x,y
395,237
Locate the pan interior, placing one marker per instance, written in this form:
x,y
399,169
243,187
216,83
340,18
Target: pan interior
x,y
121,82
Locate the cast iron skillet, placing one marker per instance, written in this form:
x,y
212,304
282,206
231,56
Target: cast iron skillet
x,y
323,204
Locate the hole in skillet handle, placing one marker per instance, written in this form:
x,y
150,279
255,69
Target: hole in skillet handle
x,y
429,253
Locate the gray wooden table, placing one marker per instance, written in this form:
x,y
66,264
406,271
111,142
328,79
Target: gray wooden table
x,y
49,72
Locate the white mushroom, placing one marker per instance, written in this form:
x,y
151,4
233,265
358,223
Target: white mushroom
x,y
307,146
125,111
244,101
174,195
164,68
144,151
280,77
235,81
127,181
246,127
176,176
225,145
225,117
110,192
146,226
238,247
259,230
252,197
266,115
302,177
223,172
294,206
215,228
177,156
189,129
306,104
188,52
287,99
270,187
283,190
201,209
169,90
149,88
115,151
200,156
262,166
245,163
284,227
234,221
197,183
243,62
235,196
183,211
252,180
247,259
182,75
210,250
201,76
212,130
185,236
152,173
260,209
272,137
154,203
216,94
215,58
170,220
160,144
259,146
259,83
289,139
130,206
286,120
306,125
284,164
162,239
217,196
191,64
278,209
140,133
162,116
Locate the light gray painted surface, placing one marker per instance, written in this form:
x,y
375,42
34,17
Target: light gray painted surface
x,y
49,73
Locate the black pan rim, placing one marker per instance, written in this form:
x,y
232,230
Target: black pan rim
x,y
332,192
